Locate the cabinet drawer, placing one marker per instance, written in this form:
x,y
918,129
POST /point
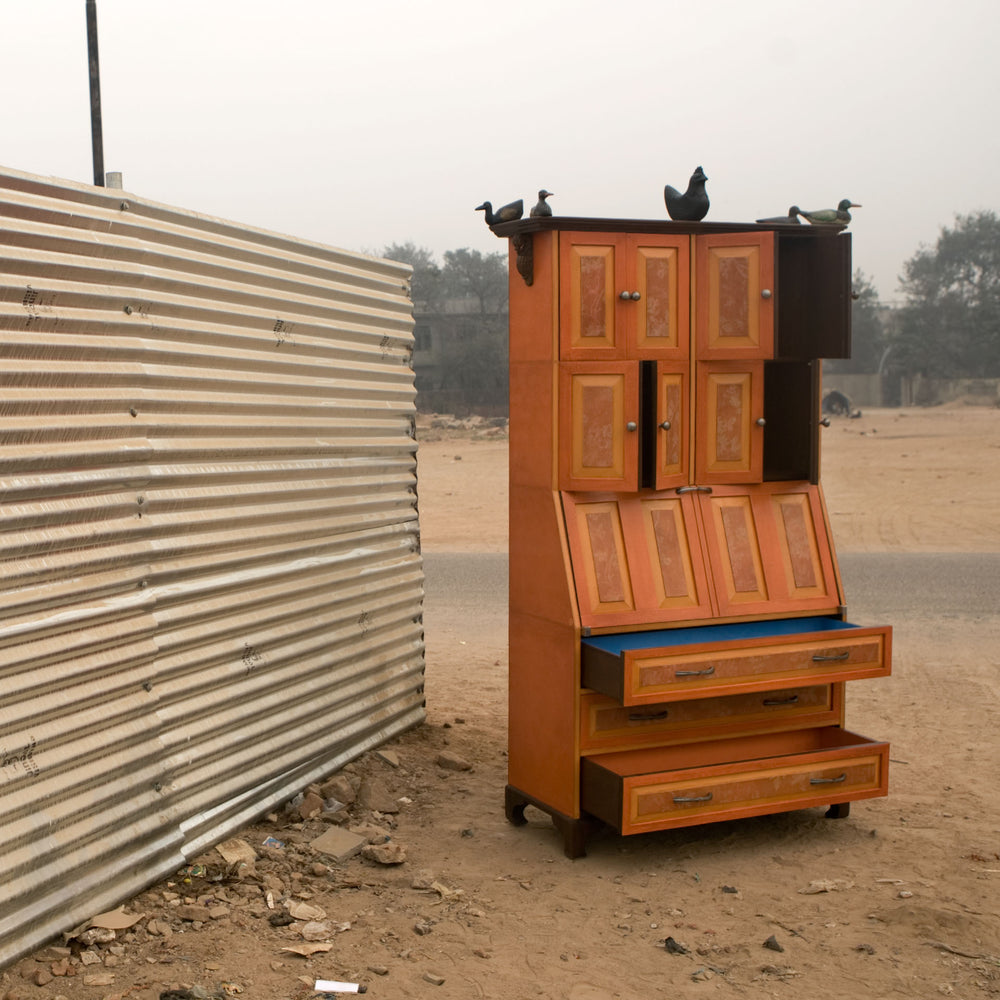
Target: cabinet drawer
x,y
606,725
642,790
671,665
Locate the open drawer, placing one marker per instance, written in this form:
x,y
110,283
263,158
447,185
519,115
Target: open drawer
x,y
606,725
640,790
641,668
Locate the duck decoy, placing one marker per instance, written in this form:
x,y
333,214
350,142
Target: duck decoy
x,y
541,209
839,215
506,213
792,217
692,206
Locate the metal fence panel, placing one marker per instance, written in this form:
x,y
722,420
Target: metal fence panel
x,y
212,583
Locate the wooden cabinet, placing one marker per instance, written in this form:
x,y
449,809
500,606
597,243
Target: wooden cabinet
x,y
678,641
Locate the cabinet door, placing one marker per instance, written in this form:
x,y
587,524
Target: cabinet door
x,y
657,278
729,422
735,296
624,296
590,271
599,426
636,559
769,549
671,427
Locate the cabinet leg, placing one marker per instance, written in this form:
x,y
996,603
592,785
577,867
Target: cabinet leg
x,y
513,806
839,811
574,835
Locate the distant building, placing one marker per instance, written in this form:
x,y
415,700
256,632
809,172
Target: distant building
x,y
460,358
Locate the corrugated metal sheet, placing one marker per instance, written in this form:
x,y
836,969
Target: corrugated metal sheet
x,y
211,578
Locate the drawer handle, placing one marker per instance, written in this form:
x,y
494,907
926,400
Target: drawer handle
x,y
707,672
828,781
793,700
693,798
836,658
693,489
647,716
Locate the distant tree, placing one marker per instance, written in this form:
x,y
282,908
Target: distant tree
x,y
950,324
867,332
478,361
471,274
427,284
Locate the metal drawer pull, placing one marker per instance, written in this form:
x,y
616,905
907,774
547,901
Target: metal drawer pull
x,y
793,700
828,781
836,658
707,672
647,716
693,489
698,798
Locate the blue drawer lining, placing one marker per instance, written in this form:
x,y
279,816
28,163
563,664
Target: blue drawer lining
x,y
619,642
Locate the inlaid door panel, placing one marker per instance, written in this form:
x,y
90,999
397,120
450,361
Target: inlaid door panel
x,y
658,273
588,297
601,568
794,530
677,582
735,554
598,426
672,430
730,422
735,295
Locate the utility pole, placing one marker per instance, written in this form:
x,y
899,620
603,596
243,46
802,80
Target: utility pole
x,y
96,130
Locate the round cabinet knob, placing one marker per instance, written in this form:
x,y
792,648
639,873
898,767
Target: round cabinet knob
x,y
635,296
631,426
825,421
760,421
665,426
624,296
765,293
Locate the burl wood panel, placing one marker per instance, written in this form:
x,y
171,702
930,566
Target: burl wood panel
x,y
672,428
597,403
735,295
661,314
729,441
587,297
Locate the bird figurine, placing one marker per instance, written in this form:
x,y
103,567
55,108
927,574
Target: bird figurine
x,y
541,209
823,216
792,217
692,206
506,213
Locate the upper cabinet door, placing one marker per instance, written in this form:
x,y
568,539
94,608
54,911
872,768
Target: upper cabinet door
x,y
735,296
589,275
624,296
658,276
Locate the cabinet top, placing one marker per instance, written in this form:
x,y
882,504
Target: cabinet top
x,y
584,224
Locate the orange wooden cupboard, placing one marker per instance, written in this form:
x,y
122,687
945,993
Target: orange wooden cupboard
x,y
678,638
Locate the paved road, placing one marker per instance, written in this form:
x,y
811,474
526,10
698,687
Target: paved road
x,y
878,585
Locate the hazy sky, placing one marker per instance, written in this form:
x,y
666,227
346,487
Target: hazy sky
x,y
364,123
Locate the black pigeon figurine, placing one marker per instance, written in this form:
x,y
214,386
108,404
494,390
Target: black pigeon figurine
x,y
792,217
541,209
507,213
839,215
692,206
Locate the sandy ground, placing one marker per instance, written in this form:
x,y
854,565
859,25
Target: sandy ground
x,y
909,902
